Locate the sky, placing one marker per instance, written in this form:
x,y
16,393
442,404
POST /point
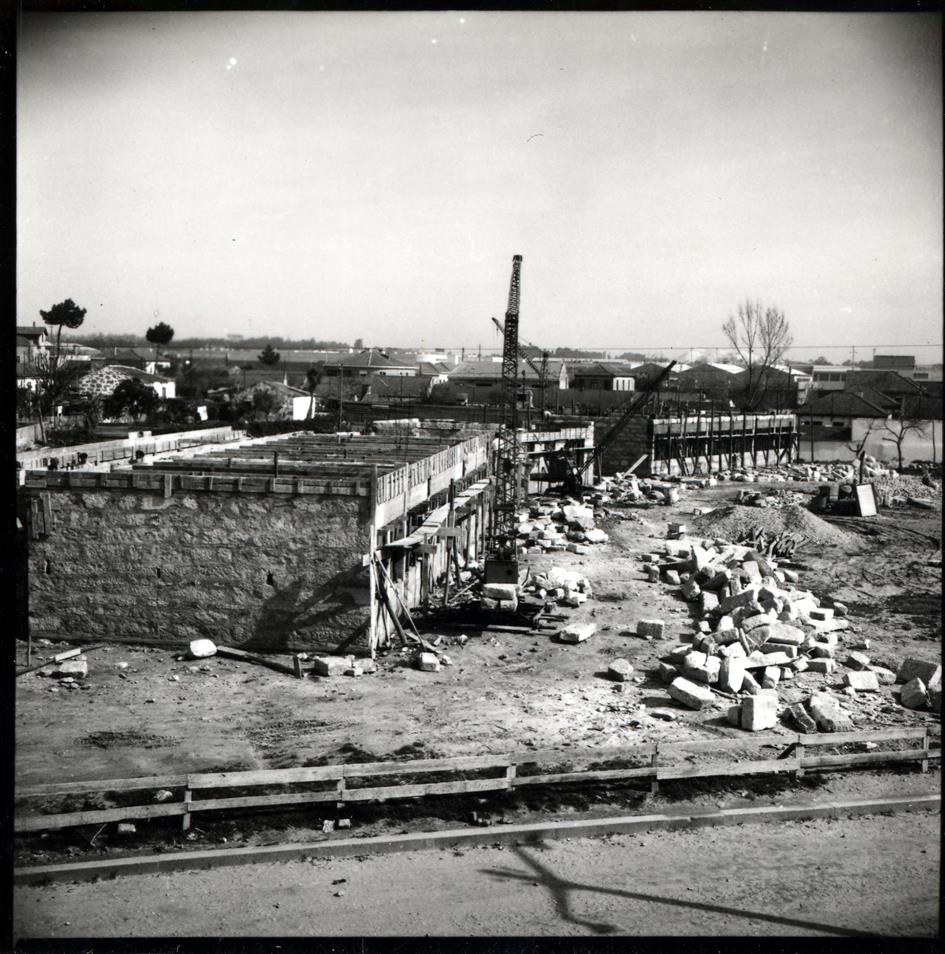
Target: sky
x,y
358,175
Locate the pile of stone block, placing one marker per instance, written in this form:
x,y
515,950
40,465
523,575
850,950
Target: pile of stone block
x,y
560,585
645,491
922,684
568,525
758,630
778,498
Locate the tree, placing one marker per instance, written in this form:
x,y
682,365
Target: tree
x,y
760,335
52,377
313,378
820,359
896,431
265,402
160,334
138,399
269,356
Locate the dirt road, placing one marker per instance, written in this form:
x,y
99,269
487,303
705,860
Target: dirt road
x,y
869,875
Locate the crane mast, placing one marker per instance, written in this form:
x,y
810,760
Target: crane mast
x,y
501,564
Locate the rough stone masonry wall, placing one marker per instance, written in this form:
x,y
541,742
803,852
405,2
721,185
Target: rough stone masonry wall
x,y
274,572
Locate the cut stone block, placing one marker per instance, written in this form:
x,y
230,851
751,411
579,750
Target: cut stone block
x,y
578,632
750,684
800,664
202,649
71,669
910,668
428,662
672,577
707,602
331,665
666,672
731,674
777,659
782,649
690,694
821,665
734,715
751,572
862,681
885,676
597,536
694,659
800,718
914,694
690,590
760,711
745,598
770,677
679,653
935,698
857,660
776,631
755,622
822,651
707,672
650,627
620,670
822,613
827,713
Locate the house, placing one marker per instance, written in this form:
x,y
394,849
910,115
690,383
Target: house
x,y
293,404
890,383
369,362
435,370
603,376
123,357
30,342
828,377
478,377
902,364
383,389
840,408
648,370
103,381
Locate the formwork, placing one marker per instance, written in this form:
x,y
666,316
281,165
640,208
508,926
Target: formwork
x,y
279,545
702,443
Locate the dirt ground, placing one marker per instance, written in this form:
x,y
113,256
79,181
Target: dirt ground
x,y
504,691
874,876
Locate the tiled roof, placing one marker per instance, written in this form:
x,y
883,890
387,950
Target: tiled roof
x,y
369,359
845,404
886,381
32,331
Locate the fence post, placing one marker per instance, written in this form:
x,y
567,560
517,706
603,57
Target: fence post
x,y
925,749
185,818
510,771
799,754
654,763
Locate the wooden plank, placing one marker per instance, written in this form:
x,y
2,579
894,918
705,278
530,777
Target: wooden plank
x,y
73,819
866,735
461,763
261,801
102,785
744,768
755,740
312,773
645,770
228,652
555,756
864,758
431,788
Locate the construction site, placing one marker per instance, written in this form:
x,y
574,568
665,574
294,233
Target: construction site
x,y
320,639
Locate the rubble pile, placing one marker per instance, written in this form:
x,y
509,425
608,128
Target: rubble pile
x,y
737,522
774,498
565,525
818,472
757,631
627,488
563,586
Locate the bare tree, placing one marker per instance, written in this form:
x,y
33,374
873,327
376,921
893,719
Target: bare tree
x,y
896,431
760,336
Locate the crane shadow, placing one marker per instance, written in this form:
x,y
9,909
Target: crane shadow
x,y
563,891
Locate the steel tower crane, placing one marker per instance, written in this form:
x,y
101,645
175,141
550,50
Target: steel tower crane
x,y
501,564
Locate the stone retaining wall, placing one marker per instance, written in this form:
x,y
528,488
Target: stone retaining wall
x,y
273,572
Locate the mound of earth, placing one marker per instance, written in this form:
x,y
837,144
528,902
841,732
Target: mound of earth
x,y
732,522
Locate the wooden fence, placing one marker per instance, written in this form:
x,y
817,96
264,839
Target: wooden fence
x,y
656,761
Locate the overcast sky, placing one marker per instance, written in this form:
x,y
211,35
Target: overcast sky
x,y
345,175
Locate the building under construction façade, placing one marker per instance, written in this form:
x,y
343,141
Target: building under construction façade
x,y
296,543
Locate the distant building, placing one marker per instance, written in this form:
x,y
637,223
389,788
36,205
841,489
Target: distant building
x,y
294,403
828,377
31,341
370,362
840,408
903,364
479,376
603,376
103,381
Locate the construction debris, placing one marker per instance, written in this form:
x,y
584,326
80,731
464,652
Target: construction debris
x,y
202,649
577,632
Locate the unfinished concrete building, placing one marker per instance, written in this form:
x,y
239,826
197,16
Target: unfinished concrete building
x,y
282,545
701,443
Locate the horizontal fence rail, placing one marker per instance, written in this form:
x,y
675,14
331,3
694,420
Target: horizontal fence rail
x,y
655,761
